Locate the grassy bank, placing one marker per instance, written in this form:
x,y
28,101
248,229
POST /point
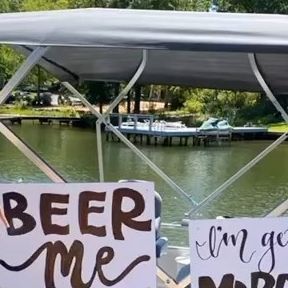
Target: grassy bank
x,y
278,127
28,111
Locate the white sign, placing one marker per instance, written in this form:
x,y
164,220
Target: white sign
x,y
239,253
78,235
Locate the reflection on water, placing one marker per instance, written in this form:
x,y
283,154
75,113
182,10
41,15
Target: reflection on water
x,y
197,170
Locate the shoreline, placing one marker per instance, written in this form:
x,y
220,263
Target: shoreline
x,y
88,122
78,117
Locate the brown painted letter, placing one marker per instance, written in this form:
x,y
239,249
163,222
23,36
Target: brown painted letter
x,y
84,210
269,281
28,222
120,217
46,212
226,282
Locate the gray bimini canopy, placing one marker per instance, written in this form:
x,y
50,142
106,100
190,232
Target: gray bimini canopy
x,y
184,48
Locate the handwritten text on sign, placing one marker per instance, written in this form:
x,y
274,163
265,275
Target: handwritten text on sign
x,y
78,235
239,253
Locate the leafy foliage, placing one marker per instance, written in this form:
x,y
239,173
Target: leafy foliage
x,y
254,6
4,6
98,92
220,103
9,61
235,105
40,5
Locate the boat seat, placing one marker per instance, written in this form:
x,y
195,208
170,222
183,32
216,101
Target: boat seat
x,y
161,242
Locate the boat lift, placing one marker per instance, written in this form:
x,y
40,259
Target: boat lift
x,y
221,51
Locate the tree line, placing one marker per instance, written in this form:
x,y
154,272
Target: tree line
x,y
236,106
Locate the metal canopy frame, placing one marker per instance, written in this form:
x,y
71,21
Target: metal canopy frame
x,y
16,79
279,210
39,52
35,57
283,207
47,169
142,156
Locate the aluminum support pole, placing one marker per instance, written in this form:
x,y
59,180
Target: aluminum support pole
x,y
154,167
22,72
279,210
283,207
117,100
100,151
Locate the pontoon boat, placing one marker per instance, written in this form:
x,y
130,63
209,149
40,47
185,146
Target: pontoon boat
x,y
213,50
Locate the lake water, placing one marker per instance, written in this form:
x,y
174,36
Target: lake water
x,y
197,170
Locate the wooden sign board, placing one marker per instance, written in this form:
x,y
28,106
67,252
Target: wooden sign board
x,y
78,235
239,253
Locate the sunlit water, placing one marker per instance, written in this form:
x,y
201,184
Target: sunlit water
x,y
197,170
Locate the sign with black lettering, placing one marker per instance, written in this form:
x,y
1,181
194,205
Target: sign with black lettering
x,y
239,253
77,235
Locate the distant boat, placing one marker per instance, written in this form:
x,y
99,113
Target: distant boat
x,y
174,125
156,124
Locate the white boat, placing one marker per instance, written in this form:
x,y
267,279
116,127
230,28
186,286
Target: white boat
x,y
132,124
176,124
211,50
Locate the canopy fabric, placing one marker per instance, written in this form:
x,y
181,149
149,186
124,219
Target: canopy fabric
x,y
184,48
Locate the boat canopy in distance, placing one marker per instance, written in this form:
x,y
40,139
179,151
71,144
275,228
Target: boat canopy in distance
x,y
184,48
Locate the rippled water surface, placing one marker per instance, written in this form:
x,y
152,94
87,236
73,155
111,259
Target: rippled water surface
x,y
197,170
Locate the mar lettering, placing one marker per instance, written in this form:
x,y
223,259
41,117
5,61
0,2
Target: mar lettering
x,y
258,280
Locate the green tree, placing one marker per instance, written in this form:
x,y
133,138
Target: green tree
x,y
161,4
10,6
220,103
15,5
254,6
87,3
9,62
4,6
177,97
98,92
194,106
41,5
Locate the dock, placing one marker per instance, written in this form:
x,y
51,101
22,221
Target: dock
x,y
184,136
15,119
144,129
